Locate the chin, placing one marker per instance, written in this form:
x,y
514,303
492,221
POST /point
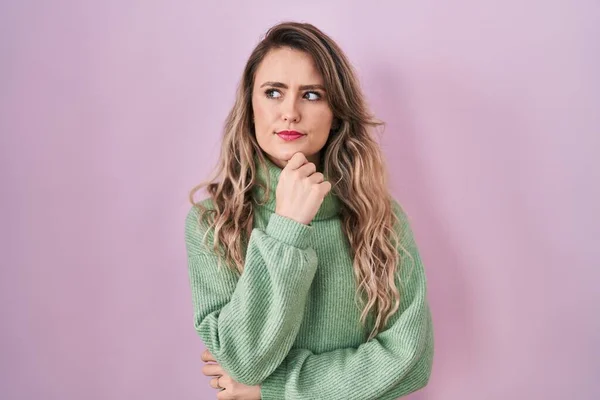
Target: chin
x,y
282,155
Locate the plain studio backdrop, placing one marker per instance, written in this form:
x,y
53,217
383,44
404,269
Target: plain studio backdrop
x,y
110,111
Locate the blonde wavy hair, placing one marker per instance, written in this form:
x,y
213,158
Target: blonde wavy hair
x,y
351,158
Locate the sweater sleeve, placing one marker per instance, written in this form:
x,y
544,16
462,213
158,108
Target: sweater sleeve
x,y
394,363
249,322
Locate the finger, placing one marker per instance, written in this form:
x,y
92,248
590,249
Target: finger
x,y
307,169
212,370
215,383
223,395
297,160
206,356
317,177
324,187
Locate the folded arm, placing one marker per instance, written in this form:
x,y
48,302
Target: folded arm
x,y
249,322
396,362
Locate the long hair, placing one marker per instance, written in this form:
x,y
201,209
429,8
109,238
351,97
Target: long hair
x,y
351,158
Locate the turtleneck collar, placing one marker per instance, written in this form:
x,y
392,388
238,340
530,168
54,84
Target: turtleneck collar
x,y
329,208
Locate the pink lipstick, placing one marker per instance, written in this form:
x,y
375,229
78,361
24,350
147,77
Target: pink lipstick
x,y
289,135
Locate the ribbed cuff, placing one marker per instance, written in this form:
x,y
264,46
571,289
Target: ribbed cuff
x,y
289,231
273,388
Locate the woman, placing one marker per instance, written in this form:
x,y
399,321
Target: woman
x,y
305,277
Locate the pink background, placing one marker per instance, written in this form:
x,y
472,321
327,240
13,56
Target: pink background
x,y
111,111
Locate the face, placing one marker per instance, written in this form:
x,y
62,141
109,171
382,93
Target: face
x,y
289,95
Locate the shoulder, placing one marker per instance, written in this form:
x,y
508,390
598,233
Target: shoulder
x,y
196,228
194,212
399,212
402,223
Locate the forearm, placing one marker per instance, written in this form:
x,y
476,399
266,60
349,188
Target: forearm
x,y
249,324
393,364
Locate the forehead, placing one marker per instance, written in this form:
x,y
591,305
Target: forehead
x,y
289,66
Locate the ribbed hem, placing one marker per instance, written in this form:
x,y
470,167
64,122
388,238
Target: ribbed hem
x,y
273,388
289,231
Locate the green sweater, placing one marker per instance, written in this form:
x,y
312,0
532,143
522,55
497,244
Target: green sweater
x,y
289,322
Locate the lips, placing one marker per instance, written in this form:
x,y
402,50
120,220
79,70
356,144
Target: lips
x,y
289,135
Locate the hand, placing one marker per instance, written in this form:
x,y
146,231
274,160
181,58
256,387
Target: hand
x,y
228,388
300,190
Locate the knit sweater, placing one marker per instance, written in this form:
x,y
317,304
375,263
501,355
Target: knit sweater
x,y
290,322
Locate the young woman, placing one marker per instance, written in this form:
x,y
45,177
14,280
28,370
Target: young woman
x,y
305,277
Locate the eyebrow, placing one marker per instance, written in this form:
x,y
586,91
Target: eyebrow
x,y
284,86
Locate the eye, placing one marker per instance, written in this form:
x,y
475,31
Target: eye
x,y
313,96
273,93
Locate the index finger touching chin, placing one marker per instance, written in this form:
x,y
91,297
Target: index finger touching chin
x,y
297,160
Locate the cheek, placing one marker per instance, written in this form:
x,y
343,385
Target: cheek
x,y
263,114
325,119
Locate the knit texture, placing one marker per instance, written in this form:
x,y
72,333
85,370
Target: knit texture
x,y
290,322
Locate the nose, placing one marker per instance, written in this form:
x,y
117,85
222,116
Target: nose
x,y
290,112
